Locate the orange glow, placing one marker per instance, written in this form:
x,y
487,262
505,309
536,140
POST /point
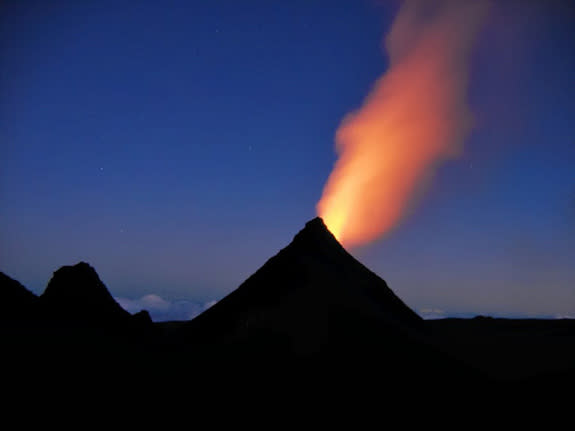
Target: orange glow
x,y
415,117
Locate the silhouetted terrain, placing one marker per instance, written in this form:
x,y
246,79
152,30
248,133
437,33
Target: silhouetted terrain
x,y
76,294
512,351
312,319
318,310
19,304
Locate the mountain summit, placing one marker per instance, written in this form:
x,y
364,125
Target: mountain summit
x,y
312,296
319,244
76,293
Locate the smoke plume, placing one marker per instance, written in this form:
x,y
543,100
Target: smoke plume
x,y
415,117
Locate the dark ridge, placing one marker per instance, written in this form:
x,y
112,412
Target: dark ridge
x,y
311,323
310,293
315,310
77,293
19,303
317,236
142,319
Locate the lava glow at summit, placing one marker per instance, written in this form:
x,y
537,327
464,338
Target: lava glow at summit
x,y
415,117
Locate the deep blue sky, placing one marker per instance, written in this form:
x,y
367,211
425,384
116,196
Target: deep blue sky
x,y
177,145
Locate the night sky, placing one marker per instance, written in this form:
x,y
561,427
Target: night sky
x,y
177,145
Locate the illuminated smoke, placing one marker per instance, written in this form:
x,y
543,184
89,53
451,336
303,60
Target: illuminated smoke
x,y
415,117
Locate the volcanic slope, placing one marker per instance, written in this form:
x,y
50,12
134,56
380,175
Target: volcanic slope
x,y
315,305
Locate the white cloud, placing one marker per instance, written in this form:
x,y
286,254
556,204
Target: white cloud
x,y
161,309
210,303
565,316
431,313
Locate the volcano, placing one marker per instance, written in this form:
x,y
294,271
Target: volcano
x,y
311,297
311,324
314,305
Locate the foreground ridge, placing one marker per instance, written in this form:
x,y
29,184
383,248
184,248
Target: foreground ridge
x,y
312,320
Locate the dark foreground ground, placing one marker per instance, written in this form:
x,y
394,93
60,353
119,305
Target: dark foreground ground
x,y
478,369
499,352
311,332
522,351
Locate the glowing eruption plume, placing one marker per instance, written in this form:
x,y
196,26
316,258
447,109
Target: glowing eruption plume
x,y
415,117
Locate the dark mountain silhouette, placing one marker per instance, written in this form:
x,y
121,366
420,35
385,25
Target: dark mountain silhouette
x,y
315,309
311,324
18,303
299,293
142,317
76,293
